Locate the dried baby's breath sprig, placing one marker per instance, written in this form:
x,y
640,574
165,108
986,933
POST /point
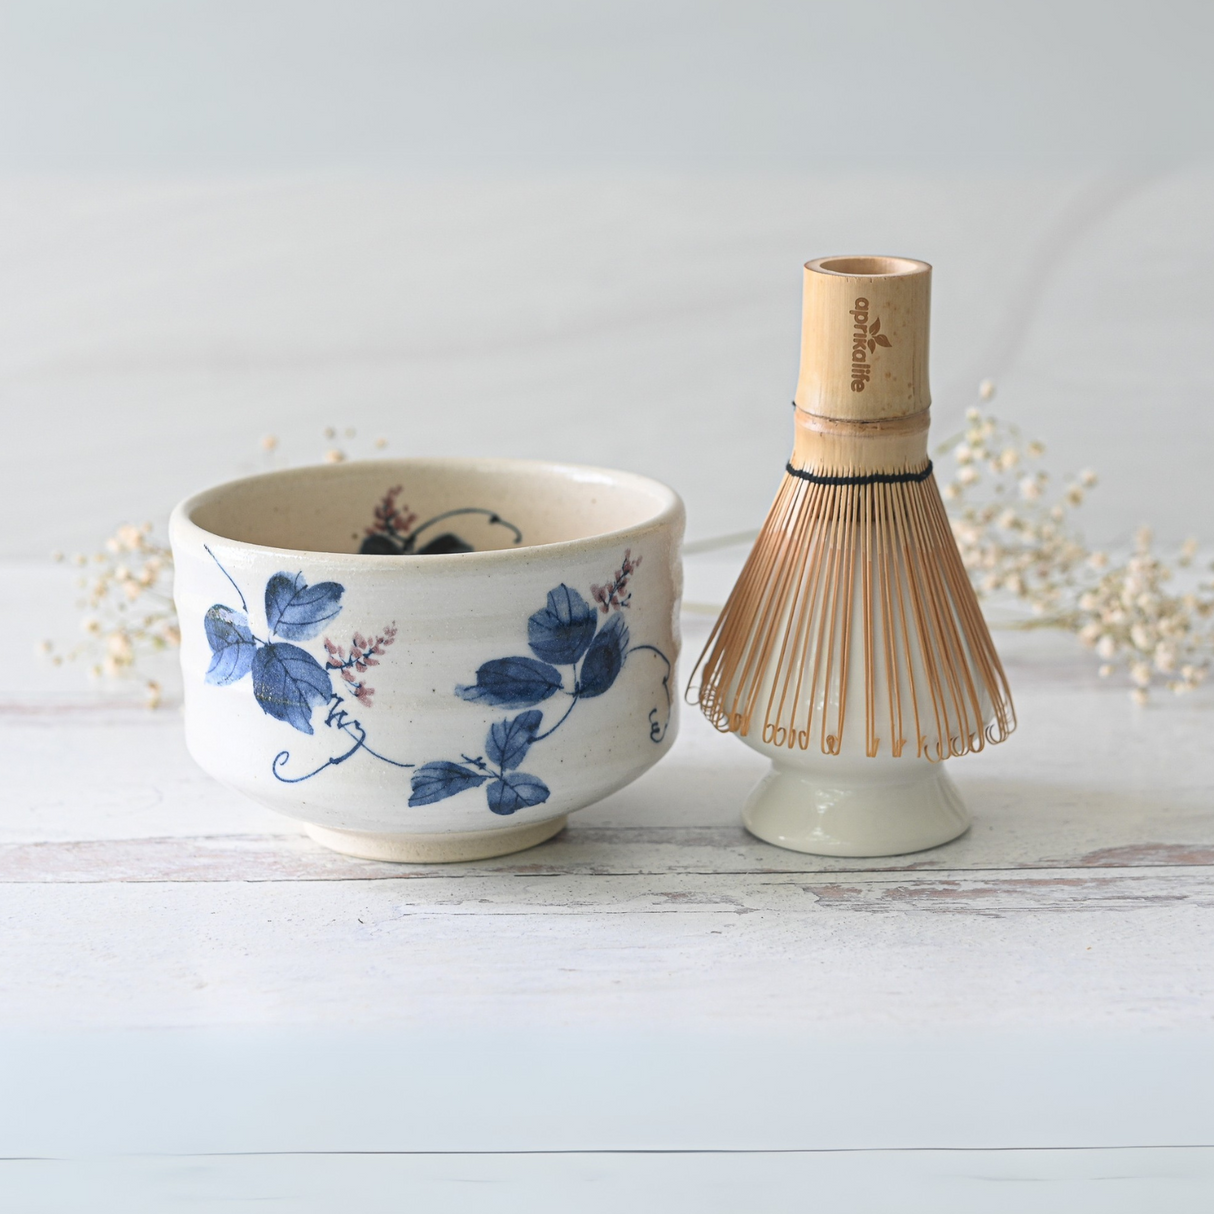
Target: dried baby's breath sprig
x,y
1129,616
126,597
1017,535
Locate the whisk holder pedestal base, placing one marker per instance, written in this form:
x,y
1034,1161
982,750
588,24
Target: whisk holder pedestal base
x,y
834,806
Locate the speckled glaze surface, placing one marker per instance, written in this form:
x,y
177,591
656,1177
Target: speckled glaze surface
x,y
430,659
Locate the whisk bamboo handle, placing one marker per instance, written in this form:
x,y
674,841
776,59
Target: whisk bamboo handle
x,y
864,338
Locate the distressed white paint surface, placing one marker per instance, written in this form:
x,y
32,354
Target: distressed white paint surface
x,y
136,892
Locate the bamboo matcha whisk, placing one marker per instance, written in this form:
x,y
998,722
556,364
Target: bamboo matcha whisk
x,y
853,637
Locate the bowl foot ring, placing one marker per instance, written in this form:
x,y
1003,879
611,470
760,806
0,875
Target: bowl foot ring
x,y
437,849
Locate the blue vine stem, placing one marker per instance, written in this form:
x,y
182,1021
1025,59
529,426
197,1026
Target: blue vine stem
x,y
338,718
243,605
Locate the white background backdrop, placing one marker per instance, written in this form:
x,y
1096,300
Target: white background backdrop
x,y
575,231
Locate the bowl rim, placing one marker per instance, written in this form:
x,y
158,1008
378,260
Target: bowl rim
x,y
672,511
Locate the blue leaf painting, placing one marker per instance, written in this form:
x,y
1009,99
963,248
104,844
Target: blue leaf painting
x,y
604,658
287,682
512,683
297,611
232,645
436,781
514,791
509,740
561,631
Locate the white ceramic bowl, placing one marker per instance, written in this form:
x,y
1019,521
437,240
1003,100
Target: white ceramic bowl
x,y
430,659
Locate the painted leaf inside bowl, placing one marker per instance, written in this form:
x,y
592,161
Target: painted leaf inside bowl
x,y
436,781
512,683
232,644
443,544
561,631
297,611
604,658
288,682
509,740
514,791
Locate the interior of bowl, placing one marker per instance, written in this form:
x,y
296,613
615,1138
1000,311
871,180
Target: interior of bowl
x,y
428,506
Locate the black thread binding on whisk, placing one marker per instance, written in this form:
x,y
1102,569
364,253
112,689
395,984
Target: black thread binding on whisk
x,y
873,478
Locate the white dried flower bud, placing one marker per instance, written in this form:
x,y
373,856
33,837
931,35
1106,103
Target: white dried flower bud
x,y
334,456
119,646
1139,696
973,415
1142,637
986,391
1035,449
1030,490
269,442
1009,458
1106,647
329,432
1089,634
967,475
1087,478
963,453
380,443
1105,670
950,493
1142,539
1140,673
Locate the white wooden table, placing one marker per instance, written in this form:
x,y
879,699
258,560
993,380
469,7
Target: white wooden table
x,y
199,1003
200,1008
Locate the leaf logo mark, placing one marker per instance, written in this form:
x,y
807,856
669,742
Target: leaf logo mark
x,y
876,337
